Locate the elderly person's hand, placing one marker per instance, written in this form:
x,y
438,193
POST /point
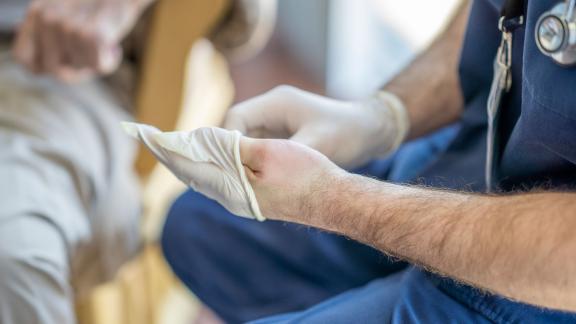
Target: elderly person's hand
x,y
75,39
349,133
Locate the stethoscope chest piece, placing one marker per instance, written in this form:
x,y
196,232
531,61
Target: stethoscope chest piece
x,y
556,34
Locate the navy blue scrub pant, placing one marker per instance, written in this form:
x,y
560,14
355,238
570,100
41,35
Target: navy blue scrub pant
x,y
246,271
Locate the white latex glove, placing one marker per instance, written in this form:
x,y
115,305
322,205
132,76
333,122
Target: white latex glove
x,y
206,159
348,133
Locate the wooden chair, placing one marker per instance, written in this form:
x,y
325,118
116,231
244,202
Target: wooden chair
x,y
184,84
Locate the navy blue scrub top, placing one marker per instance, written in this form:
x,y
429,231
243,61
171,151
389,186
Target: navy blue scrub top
x,y
538,124
537,135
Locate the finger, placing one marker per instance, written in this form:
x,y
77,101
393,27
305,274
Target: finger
x,y
109,32
86,49
25,46
235,120
76,29
310,136
147,135
70,45
74,65
80,43
260,117
49,54
109,58
101,40
97,56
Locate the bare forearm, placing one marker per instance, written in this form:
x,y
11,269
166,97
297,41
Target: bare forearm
x,y
429,87
522,247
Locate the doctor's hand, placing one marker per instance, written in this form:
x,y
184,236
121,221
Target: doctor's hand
x,y
288,178
74,40
253,178
348,133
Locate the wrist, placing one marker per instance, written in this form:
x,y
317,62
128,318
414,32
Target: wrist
x,y
395,121
351,203
323,205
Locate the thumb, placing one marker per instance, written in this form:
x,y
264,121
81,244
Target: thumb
x,y
311,136
235,121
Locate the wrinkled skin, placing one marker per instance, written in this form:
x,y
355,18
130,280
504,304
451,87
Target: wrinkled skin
x,y
74,40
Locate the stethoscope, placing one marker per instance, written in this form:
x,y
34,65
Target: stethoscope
x,y
556,33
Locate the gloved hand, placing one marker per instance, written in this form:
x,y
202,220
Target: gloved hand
x,y
206,159
348,133
250,177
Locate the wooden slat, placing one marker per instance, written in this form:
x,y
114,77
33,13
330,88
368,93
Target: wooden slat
x,y
176,26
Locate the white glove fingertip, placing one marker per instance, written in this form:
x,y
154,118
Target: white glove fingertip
x,y
130,128
145,134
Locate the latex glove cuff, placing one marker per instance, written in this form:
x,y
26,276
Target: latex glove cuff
x,y
391,110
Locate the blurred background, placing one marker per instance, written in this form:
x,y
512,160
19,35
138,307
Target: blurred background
x,y
345,49
341,48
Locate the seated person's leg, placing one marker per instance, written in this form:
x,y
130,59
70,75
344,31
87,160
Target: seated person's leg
x,y
64,161
34,283
245,270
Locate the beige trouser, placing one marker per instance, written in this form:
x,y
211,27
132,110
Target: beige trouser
x,y
69,201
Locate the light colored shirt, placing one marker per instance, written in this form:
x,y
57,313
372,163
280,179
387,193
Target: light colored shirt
x,y
12,13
